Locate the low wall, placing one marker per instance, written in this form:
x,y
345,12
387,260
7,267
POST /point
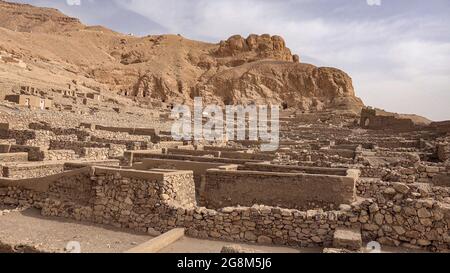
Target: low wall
x,y
140,155
142,201
32,170
443,151
223,154
199,169
292,169
95,153
193,152
250,156
13,157
76,146
34,153
110,163
288,190
54,155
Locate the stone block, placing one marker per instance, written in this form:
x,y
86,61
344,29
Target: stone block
x,y
347,238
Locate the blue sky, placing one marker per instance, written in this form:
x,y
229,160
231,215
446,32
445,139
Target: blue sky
x,y
396,51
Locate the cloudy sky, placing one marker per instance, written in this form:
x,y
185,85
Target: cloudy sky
x,y
397,51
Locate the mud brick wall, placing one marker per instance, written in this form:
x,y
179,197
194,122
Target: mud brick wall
x,y
288,190
13,157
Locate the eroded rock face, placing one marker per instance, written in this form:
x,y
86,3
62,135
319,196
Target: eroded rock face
x,y
168,68
261,46
302,86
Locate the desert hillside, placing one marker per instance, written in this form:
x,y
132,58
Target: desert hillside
x,y
45,48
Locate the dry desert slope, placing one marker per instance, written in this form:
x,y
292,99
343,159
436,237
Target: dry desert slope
x,y
51,49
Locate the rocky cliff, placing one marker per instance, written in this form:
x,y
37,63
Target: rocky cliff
x,y
58,50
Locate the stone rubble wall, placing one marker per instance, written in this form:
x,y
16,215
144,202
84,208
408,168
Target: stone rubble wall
x,y
13,157
423,173
34,153
130,144
142,201
76,146
95,153
319,156
56,155
120,136
443,151
19,171
7,141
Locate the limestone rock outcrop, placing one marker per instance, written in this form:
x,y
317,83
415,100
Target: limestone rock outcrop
x,y
256,46
57,50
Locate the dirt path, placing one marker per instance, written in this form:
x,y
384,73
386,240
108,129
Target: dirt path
x,y
28,231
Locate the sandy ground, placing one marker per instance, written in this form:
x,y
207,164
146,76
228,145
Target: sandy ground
x,y
28,230
191,245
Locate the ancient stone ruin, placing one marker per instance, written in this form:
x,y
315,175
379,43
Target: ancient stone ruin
x,y
93,149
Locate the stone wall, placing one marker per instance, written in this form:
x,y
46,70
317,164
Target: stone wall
x,y
422,173
34,153
397,216
56,155
293,169
288,190
81,135
31,170
76,146
443,151
136,156
13,157
95,153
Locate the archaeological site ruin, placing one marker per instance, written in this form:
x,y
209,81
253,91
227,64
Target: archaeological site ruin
x,y
86,148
